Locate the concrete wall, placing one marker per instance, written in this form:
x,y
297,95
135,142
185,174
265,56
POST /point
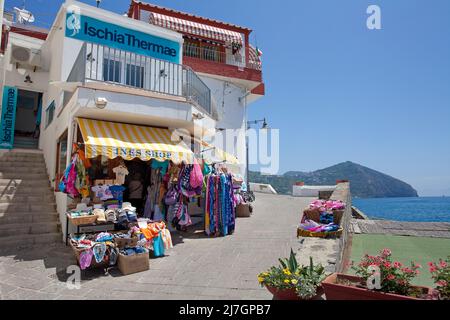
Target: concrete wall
x,y
342,192
262,188
310,191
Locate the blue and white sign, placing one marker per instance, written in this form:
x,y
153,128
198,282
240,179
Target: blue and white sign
x,y
93,30
9,103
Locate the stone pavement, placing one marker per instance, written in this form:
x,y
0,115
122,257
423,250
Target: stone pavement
x,y
196,268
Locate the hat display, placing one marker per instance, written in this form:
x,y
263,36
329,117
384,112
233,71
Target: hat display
x,y
100,213
82,207
128,206
110,215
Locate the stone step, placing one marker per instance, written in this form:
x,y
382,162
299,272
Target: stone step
x,y
31,199
21,183
22,159
11,208
23,175
7,230
23,170
20,190
28,217
15,155
23,241
22,164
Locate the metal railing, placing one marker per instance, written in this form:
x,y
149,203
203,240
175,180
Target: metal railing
x,y
129,69
214,54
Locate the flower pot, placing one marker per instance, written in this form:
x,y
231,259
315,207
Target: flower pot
x,y
290,294
336,291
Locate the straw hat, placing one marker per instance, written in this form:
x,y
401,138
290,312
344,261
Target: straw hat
x,y
100,213
82,207
128,206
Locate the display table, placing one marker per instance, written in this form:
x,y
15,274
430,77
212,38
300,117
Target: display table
x,y
89,227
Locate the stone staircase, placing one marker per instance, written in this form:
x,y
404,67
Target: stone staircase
x,y
25,142
27,203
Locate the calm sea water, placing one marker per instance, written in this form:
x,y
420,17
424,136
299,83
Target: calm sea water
x,y
435,209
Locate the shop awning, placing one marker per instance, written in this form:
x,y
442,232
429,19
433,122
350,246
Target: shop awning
x,y
213,154
112,139
195,28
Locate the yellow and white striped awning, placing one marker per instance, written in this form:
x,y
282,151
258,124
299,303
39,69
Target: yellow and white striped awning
x,y
217,155
112,139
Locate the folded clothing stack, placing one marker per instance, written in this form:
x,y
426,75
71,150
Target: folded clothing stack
x,y
313,226
133,251
327,205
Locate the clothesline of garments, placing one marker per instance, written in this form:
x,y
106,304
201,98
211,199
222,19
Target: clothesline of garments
x,y
220,213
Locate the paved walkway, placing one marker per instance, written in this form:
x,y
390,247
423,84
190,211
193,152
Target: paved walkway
x,y
401,228
196,268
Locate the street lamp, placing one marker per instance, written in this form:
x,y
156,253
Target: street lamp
x,y
264,126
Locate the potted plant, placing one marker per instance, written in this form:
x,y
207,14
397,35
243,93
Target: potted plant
x,y
440,273
290,281
388,280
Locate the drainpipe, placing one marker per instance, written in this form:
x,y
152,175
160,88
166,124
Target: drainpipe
x,y
2,6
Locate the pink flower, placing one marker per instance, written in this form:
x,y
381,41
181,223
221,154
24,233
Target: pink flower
x,y
431,264
387,264
397,265
442,283
433,269
443,264
390,277
386,252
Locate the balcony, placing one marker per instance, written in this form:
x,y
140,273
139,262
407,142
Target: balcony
x,y
98,63
220,61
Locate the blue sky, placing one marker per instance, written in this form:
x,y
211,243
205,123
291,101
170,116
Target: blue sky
x,y
338,91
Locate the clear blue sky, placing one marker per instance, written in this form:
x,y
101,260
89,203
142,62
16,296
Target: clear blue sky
x,y
338,91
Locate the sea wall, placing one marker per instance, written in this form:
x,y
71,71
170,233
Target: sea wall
x,y
342,192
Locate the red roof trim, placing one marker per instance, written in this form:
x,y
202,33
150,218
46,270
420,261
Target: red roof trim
x,y
186,16
29,33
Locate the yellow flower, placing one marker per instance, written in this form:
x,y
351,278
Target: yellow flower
x,y
294,281
260,279
287,272
286,281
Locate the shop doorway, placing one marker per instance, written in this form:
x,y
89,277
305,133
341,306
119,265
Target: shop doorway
x,y
28,119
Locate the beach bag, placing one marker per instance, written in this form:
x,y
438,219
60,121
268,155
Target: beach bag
x,y
196,177
171,197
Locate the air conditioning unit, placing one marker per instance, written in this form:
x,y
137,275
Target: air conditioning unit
x,y
25,57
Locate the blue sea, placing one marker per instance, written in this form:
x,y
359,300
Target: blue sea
x,y
425,209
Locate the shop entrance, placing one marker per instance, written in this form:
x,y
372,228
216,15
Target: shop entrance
x,y
28,118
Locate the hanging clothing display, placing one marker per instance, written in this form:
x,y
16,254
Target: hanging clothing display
x,y
220,213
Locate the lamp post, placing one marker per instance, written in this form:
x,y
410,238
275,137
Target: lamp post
x,y
98,3
264,126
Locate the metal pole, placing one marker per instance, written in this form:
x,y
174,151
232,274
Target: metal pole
x,y
247,177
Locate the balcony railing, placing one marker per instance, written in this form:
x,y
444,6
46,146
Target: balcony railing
x,y
101,63
215,55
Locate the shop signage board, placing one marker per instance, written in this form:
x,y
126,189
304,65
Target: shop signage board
x,y
9,103
89,29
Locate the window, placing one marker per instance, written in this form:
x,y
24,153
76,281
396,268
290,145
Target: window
x,y
135,76
49,114
111,70
61,158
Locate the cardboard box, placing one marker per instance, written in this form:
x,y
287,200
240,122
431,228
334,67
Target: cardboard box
x,y
244,210
133,264
125,242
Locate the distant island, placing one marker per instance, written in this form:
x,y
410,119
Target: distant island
x,y
364,182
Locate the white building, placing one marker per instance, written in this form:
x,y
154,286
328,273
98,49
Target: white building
x,y
155,68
